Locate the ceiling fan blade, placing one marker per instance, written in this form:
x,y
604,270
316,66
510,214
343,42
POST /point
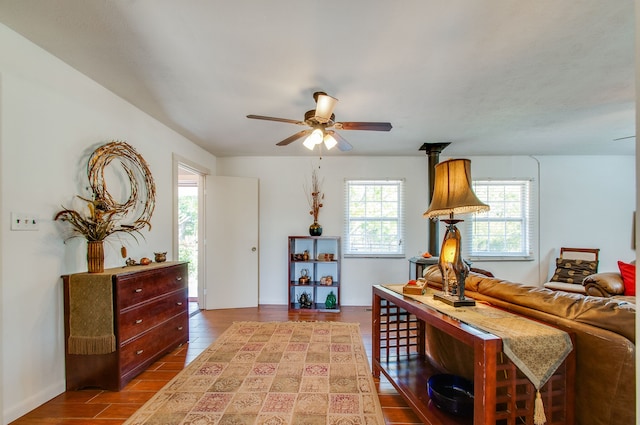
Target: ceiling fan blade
x,y
262,117
343,145
371,126
624,138
293,138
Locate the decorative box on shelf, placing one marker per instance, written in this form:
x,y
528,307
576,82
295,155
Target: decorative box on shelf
x,y
415,287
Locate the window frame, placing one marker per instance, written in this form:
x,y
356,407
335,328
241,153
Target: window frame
x,y
348,251
527,218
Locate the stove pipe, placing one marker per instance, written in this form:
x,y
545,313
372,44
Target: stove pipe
x,y
433,154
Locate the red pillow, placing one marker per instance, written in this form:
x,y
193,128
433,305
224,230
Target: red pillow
x,y
628,272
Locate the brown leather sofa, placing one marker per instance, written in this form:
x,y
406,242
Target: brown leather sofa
x,y
604,330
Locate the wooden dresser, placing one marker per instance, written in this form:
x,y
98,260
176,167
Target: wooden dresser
x,y
145,309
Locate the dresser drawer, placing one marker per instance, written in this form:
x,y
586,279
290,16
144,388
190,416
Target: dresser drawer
x,y
138,319
139,287
138,351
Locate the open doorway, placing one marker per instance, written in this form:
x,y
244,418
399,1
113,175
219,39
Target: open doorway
x,y
188,227
189,222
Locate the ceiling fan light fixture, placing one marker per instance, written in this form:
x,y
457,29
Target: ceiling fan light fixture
x,y
309,143
324,108
315,138
329,141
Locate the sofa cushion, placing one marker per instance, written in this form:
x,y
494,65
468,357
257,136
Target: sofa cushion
x,y
567,287
604,284
573,271
628,272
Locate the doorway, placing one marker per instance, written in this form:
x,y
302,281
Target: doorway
x,y
189,222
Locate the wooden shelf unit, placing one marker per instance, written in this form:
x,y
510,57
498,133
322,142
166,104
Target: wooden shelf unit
x,y
317,269
399,352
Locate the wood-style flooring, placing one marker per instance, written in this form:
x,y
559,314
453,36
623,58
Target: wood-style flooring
x,y
113,408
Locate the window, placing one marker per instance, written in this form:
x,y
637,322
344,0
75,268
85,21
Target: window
x,y
374,218
505,230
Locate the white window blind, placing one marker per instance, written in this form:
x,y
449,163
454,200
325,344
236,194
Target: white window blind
x,y
506,230
374,218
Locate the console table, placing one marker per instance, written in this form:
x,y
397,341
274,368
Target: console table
x,y
400,326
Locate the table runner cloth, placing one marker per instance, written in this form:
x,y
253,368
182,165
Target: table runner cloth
x,y
91,314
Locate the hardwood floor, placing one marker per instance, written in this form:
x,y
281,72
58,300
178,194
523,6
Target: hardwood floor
x,y
112,408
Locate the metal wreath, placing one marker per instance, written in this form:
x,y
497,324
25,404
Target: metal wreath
x,y
134,166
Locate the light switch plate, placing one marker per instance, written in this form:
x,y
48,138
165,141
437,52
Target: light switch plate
x,y
24,221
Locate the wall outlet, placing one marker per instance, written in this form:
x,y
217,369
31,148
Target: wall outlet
x,y
24,221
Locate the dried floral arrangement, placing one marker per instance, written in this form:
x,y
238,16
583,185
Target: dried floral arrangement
x,y
315,195
105,215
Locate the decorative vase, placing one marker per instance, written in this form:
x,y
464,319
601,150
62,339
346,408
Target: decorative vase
x,y
331,300
315,229
95,256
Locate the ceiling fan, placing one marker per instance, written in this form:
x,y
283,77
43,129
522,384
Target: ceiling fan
x,y
321,123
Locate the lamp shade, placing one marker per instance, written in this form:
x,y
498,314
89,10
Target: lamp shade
x,y
324,108
452,193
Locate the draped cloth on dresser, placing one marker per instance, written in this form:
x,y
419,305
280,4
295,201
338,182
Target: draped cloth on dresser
x,y
91,314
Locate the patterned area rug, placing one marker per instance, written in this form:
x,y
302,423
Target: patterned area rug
x,y
272,373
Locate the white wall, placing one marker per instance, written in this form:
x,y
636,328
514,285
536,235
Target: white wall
x,y
579,201
284,211
588,202
583,201
2,232
51,118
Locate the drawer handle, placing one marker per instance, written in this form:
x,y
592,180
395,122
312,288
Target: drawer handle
x,y
138,290
139,352
179,303
180,328
179,278
138,321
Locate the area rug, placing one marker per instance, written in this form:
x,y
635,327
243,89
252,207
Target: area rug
x,y
303,373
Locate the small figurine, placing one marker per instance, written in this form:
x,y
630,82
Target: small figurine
x,y
304,277
331,300
305,300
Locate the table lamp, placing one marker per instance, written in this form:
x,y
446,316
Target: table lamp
x,y
452,194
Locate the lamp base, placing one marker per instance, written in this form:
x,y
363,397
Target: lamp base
x,y
453,300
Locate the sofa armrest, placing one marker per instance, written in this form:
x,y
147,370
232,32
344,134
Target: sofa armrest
x,y
604,284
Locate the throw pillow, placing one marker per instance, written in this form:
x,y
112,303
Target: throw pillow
x,y
573,271
628,272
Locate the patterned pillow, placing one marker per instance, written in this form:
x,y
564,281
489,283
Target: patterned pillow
x,y
573,271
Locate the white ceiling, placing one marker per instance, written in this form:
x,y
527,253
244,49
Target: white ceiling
x,y
496,77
